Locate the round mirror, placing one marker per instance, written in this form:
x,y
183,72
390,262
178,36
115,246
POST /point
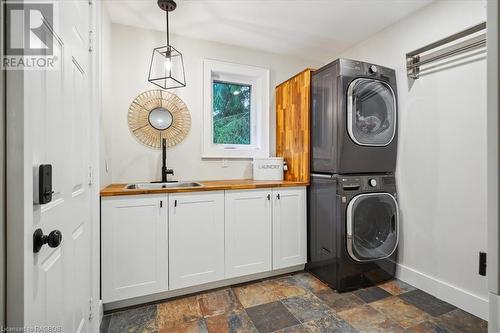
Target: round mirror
x,y
158,114
160,118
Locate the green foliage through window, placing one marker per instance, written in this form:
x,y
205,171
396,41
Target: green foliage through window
x,y
231,113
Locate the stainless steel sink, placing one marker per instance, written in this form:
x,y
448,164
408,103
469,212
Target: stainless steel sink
x,y
145,186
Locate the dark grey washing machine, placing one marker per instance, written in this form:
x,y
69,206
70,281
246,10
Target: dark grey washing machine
x,y
354,118
353,229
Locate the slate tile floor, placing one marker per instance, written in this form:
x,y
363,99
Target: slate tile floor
x,y
298,303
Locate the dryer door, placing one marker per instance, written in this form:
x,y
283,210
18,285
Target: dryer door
x,y
371,112
372,226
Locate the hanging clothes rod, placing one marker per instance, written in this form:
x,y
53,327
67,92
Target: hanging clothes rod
x,y
420,57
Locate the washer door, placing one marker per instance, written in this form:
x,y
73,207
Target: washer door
x,y
372,226
371,112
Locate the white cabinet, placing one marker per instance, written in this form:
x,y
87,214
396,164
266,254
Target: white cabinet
x,y
196,238
289,227
248,227
134,246
155,243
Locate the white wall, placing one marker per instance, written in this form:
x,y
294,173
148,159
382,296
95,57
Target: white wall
x,y
130,56
441,168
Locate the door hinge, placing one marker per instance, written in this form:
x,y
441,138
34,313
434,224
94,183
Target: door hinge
x,y
91,175
482,263
91,40
91,300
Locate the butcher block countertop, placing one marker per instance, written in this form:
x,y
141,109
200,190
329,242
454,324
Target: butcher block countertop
x,y
211,185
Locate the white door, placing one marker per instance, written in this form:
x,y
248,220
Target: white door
x,y
248,232
289,227
57,281
134,246
196,238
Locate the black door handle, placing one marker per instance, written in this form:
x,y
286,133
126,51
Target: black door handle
x,y
54,239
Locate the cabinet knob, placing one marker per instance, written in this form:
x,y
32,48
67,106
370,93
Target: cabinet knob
x,y
278,196
268,197
54,239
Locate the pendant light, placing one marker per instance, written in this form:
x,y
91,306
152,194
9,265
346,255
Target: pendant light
x,y
167,67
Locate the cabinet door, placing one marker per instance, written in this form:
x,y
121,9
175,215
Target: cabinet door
x,y
248,232
134,248
196,238
289,227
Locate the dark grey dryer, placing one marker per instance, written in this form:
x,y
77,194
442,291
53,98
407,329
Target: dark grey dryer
x,y
354,118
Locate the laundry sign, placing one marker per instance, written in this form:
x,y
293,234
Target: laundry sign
x,y
270,168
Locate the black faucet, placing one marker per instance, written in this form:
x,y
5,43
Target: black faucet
x,y
164,171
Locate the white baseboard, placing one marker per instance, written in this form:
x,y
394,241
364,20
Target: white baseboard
x,y
460,298
494,322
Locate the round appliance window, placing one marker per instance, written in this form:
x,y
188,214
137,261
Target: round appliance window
x,y
372,226
371,112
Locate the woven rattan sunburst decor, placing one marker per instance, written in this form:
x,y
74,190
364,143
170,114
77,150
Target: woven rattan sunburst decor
x,y
139,118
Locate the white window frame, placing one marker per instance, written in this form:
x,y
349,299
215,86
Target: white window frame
x,y
258,78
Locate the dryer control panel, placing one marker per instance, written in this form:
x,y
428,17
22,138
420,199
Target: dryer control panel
x,y
358,69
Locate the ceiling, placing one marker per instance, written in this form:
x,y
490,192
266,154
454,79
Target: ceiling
x,y
309,29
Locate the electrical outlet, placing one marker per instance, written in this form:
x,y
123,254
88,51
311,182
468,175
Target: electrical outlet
x,y
482,263
224,164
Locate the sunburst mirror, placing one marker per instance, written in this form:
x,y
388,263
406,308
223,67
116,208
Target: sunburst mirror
x,y
157,114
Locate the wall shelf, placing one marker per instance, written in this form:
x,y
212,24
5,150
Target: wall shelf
x,y
461,43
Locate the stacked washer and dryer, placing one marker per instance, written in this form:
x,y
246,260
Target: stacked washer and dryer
x,y
353,225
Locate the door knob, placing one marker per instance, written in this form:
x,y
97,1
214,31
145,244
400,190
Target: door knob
x,y
54,239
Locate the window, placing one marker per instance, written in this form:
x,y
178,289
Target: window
x,y
231,113
236,110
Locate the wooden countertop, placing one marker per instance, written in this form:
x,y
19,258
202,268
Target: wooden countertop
x,y
211,185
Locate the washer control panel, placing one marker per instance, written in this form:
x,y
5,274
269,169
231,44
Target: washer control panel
x,y
350,183
354,184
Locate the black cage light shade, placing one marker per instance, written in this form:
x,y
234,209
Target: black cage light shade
x,y
167,66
